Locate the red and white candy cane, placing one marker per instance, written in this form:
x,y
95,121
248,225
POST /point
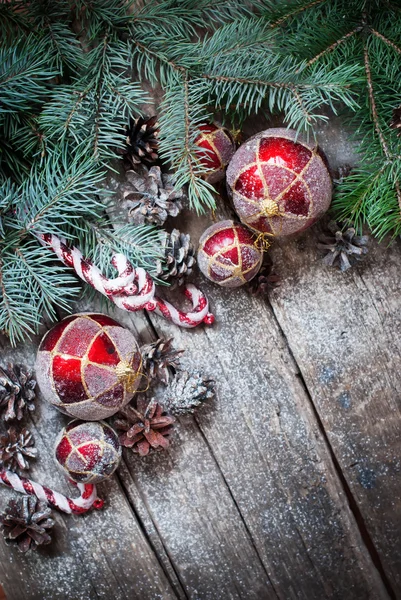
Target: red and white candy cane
x,y
133,289
86,501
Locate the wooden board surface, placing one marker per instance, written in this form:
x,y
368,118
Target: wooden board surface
x,y
285,487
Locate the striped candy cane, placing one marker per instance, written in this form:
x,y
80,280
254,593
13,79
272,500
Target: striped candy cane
x,y
86,501
133,289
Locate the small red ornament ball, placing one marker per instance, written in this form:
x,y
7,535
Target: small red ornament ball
x,y
219,147
228,254
88,366
279,183
88,452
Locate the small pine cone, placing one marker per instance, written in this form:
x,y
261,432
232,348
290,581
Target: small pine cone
x,y
15,446
146,426
343,248
179,258
150,196
17,391
188,391
265,281
26,523
159,359
142,142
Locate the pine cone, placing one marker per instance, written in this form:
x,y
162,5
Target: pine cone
x,y
14,447
179,258
265,281
151,196
26,522
395,122
343,248
158,357
142,142
188,391
17,391
147,426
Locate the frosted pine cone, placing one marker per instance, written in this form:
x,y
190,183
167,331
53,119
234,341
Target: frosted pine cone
x,y
188,391
160,359
146,427
15,446
150,196
179,258
343,248
26,523
17,391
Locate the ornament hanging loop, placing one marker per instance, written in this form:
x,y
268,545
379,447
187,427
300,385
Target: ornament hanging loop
x,y
262,242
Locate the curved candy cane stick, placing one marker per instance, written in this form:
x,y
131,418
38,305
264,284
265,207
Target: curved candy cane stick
x,y
87,500
133,289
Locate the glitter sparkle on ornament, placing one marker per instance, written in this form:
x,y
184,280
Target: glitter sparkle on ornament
x,y
228,254
279,183
88,366
219,147
88,452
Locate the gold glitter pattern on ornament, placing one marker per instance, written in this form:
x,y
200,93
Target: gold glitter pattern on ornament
x,y
209,138
273,209
220,262
123,372
90,460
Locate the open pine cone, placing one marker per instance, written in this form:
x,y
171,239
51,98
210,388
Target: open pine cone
x,y
343,248
187,391
17,391
146,427
159,359
15,446
179,258
26,523
142,142
151,197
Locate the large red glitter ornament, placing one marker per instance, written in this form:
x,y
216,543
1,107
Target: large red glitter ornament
x,y
88,366
88,452
279,183
228,254
220,147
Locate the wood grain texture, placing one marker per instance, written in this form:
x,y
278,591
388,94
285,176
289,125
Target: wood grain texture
x,y
102,554
344,332
265,442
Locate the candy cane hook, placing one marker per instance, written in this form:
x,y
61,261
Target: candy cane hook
x,y
87,500
133,289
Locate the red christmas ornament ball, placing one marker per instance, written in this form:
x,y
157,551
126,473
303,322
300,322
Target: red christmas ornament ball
x,y
228,254
88,366
219,147
279,183
88,452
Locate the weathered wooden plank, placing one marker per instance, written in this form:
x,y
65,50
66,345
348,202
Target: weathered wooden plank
x,y
344,331
263,437
183,495
99,555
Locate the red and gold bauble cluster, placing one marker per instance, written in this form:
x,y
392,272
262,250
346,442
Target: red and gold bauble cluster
x,y
88,366
280,185
218,147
